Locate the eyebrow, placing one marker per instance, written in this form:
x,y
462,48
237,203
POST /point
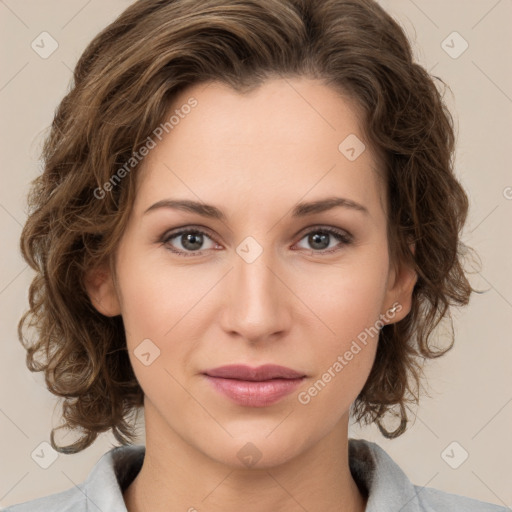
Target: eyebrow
x,y
300,210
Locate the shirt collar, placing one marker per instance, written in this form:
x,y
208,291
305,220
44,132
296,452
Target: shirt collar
x,y
111,475
388,487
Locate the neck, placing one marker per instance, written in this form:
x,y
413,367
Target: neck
x,y
177,476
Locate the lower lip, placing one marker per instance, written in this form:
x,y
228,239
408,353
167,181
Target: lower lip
x,y
252,393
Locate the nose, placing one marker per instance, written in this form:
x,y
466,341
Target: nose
x,y
256,303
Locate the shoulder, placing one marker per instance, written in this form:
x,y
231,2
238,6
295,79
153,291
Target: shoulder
x,y
433,500
389,488
65,501
102,490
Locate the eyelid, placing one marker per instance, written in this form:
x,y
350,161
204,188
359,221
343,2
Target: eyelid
x,y
175,232
324,227
344,238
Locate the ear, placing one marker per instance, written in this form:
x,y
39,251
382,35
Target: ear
x,y
401,282
100,287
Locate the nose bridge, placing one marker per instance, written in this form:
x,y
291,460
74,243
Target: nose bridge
x,y
257,305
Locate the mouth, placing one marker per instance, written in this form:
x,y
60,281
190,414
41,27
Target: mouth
x,y
254,387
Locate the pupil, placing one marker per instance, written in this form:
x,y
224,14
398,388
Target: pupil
x,y
319,239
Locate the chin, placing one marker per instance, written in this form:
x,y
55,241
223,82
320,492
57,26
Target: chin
x,y
257,448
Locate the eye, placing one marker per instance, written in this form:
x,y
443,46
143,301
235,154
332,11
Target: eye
x,y
189,242
320,240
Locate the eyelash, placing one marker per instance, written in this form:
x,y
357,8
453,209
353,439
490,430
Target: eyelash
x,y
344,237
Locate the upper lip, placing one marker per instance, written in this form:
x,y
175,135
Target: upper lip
x,y
259,373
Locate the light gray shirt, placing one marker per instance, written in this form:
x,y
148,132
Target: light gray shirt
x,y
387,486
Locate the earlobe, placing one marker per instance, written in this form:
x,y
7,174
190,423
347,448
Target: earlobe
x,y
400,291
102,292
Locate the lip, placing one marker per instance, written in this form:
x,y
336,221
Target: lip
x,y
259,373
254,387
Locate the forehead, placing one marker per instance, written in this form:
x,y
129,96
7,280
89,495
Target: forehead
x,y
284,141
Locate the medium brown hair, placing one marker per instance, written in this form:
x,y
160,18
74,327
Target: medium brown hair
x,y
122,88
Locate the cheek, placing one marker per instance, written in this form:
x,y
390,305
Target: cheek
x,y
343,358
157,297
349,302
348,297
165,309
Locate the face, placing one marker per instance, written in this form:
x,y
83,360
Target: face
x,y
258,276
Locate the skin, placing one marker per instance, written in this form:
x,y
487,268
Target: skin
x,y
254,156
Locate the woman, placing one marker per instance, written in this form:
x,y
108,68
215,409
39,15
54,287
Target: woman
x,y
248,224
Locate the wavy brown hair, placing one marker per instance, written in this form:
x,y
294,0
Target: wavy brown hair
x,y
122,87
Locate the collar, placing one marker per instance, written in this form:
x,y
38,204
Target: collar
x,y
387,486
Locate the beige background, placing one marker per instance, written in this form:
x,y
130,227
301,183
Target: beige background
x,y
471,388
